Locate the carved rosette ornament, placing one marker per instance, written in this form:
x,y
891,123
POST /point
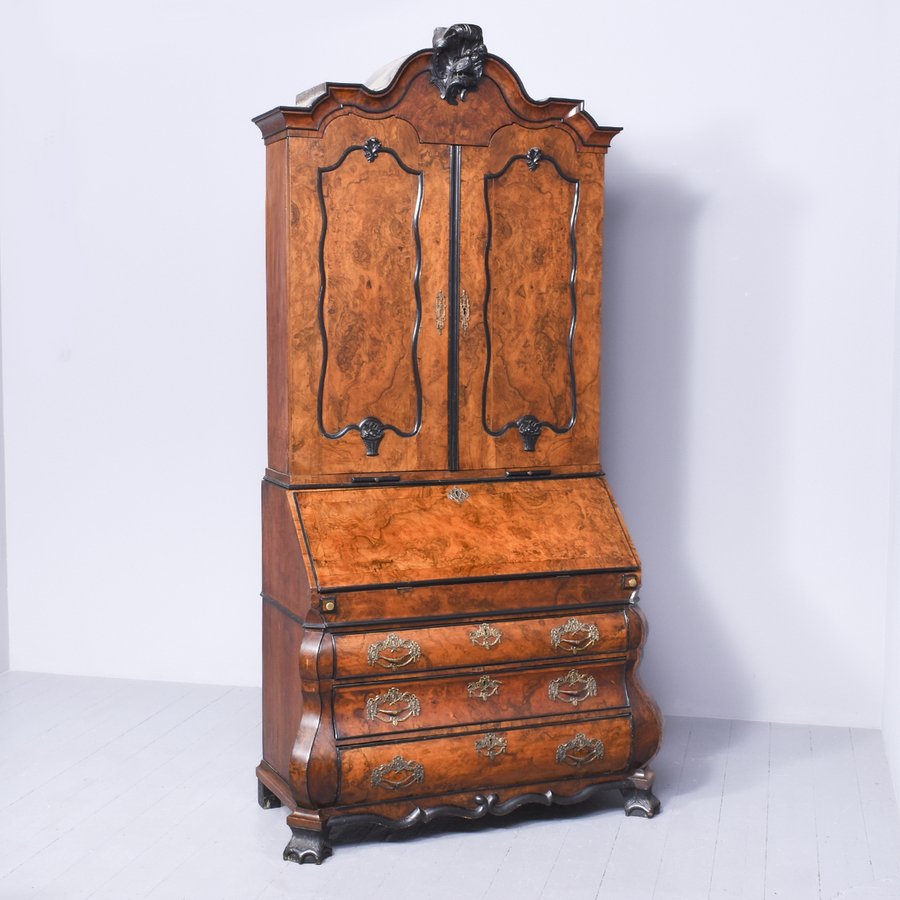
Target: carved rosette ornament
x,y
458,61
371,148
533,158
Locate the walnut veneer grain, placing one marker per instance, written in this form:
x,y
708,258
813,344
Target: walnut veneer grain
x,y
449,588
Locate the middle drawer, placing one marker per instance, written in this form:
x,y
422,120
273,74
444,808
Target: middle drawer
x,y
475,697
479,644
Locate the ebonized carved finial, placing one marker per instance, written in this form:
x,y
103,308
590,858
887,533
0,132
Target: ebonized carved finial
x,y
458,61
371,430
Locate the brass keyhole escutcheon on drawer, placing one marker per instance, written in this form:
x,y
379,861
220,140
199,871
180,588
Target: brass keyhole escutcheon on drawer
x,y
393,707
393,652
580,751
574,636
573,688
398,774
491,746
485,636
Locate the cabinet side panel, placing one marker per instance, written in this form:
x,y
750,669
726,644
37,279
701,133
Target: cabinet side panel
x,y
277,303
285,578
282,695
648,720
286,601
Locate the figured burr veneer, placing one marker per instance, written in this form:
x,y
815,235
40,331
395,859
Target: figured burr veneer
x,y
449,590
507,528
498,641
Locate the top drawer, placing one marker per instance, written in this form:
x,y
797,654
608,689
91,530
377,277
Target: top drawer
x,y
480,644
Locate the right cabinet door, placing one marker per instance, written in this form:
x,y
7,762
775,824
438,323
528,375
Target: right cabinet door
x,y
531,235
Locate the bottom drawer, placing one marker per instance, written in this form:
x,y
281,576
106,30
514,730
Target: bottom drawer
x,y
485,759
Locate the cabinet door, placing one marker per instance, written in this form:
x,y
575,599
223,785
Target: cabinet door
x,y
369,253
530,249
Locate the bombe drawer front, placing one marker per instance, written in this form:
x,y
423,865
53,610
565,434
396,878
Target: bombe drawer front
x,y
480,644
495,758
509,694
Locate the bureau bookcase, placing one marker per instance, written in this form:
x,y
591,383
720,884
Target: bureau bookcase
x,y
449,591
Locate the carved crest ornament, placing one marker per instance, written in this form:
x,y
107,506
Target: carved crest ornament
x,y
458,61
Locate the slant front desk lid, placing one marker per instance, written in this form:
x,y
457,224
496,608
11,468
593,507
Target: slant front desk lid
x,y
432,533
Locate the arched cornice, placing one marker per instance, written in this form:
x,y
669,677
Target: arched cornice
x,y
412,96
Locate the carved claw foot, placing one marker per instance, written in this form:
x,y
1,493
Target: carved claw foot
x,y
267,800
306,846
639,797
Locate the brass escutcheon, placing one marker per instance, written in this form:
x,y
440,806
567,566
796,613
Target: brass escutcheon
x,y
485,688
464,312
485,636
573,688
398,774
491,746
440,312
580,751
458,494
393,707
574,636
385,653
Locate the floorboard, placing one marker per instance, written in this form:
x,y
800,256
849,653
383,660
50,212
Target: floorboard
x,y
125,790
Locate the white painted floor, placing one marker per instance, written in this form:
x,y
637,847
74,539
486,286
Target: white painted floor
x,y
114,790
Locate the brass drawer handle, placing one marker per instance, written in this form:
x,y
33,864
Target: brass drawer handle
x,y
491,746
394,652
574,688
580,751
398,774
574,636
485,688
485,636
393,707
440,312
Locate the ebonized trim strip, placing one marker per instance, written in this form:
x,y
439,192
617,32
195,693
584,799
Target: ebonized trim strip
x,y
371,421
283,610
454,291
528,425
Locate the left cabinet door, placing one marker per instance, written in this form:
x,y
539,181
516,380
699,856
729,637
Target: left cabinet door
x,y
358,249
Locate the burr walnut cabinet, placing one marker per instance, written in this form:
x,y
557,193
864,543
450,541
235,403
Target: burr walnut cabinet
x,y
449,591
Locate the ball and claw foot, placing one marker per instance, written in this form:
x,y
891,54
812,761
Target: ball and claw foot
x,y
306,846
267,800
639,797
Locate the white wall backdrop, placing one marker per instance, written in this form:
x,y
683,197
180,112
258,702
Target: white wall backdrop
x,y
749,322
4,594
891,712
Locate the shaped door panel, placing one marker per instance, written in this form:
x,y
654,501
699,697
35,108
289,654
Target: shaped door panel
x,y
531,238
368,216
